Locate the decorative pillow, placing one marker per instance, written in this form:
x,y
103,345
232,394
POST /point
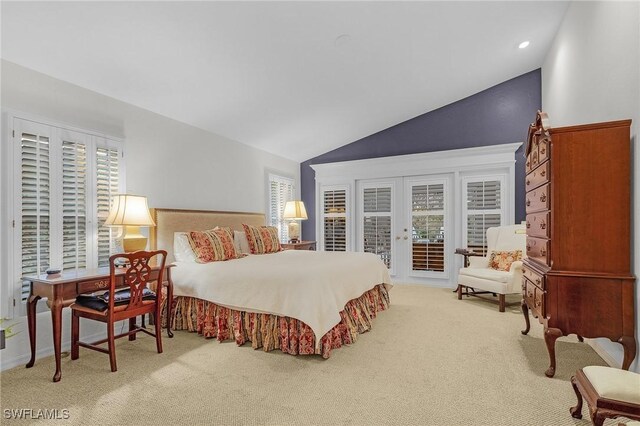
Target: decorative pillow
x,y
502,260
181,248
213,245
262,239
240,241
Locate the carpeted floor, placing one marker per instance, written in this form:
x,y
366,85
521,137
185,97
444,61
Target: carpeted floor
x,y
429,360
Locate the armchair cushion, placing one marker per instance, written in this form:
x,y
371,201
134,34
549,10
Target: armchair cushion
x,y
487,274
502,260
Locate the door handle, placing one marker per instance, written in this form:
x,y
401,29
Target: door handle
x,y
406,238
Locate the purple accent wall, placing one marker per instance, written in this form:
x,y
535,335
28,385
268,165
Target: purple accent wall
x,y
498,115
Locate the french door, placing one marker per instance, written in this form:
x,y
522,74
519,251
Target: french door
x,y
405,222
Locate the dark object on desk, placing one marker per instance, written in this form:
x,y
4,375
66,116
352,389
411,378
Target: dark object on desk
x,y
61,291
137,277
53,271
577,274
101,302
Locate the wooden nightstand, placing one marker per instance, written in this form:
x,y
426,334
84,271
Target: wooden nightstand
x,y
302,245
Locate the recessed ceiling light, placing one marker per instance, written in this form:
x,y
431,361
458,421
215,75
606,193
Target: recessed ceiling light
x,y
523,45
342,39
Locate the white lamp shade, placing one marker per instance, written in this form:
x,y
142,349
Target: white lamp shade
x,y
129,210
295,210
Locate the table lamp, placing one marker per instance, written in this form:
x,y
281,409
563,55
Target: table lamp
x,y
130,212
294,211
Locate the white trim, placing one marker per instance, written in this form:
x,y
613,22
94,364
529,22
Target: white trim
x,y
602,352
479,158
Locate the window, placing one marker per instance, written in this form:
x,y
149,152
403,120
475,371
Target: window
x,y
483,210
64,181
334,219
281,190
376,218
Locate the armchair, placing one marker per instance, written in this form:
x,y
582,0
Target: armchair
x,y
478,278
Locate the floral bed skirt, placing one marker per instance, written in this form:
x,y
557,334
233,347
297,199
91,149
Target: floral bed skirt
x,y
271,332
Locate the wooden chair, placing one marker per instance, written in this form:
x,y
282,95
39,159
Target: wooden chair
x,y
137,277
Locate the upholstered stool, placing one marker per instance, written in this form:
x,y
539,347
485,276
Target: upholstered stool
x,y
610,393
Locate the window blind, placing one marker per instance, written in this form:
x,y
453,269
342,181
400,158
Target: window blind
x,y
376,233
484,210
107,184
35,205
334,219
74,205
281,190
428,231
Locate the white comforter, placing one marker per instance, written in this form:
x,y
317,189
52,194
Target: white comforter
x,y
310,286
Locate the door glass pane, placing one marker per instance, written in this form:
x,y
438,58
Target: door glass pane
x,y
377,222
427,227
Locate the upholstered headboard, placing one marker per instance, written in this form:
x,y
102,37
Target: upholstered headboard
x,y
169,221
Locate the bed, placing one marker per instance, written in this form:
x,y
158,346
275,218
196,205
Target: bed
x,y
300,302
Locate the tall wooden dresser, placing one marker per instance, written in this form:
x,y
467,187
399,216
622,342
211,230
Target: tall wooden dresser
x,y
577,277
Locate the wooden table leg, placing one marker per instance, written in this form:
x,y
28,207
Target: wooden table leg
x,y
31,324
550,337
525,311
56,320
629,345
169,302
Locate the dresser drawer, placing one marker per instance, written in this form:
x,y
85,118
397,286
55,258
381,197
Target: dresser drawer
x,y
538,199
93,285
538,224
534,155
534,297
533,276
538,249
527,165
543,150
537,177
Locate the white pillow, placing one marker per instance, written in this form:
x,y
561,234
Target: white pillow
x,y
182,249
241,242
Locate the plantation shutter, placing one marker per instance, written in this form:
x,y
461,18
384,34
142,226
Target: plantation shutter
x,y
107,185
484,210
335,219
281,190
377,222
74,205
35,205
428,231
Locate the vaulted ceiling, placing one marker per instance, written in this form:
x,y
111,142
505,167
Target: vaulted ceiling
x,y
293,78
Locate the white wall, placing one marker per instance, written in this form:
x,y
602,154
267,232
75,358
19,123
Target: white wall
x,y
592,74
175,165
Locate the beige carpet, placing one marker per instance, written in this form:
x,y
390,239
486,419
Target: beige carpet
x,y
429,360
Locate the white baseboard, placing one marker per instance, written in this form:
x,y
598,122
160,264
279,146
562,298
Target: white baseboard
x,y
6,364
606,356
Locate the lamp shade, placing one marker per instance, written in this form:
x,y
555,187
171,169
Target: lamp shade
x,y
295,210
129,210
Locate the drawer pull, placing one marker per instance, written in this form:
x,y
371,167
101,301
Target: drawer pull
x,y
543,148
543,225
528,202
101,284
528,164
543,198
528,247
542,173
528,225
538,281
538,303
528,182
543,251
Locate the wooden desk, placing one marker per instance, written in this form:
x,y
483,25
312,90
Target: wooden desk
x,y
61,291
